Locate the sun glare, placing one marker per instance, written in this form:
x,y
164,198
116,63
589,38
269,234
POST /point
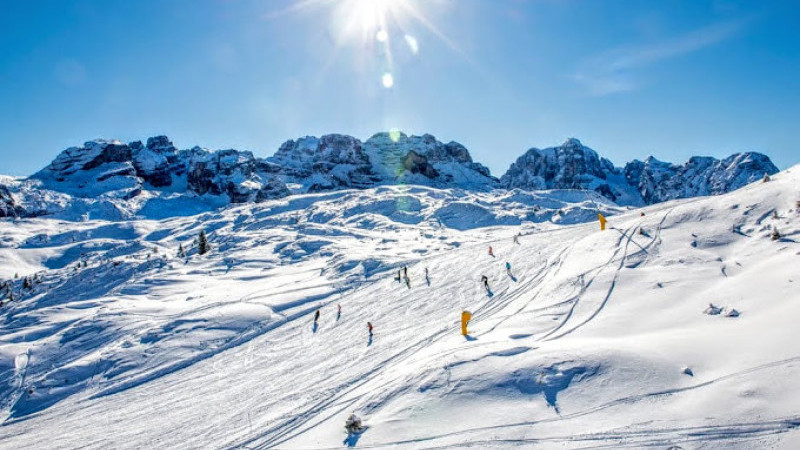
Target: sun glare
x,y
372,14
380,29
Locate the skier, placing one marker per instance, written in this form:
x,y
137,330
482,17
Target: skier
x,y
485,282
338,311
399,275
405,271
316,317
490,251
508,267
369,327
516,238
353,424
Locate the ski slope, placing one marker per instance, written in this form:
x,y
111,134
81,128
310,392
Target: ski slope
x,y
594,340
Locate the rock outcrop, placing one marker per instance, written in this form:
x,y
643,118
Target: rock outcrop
x,y
117,170
575,166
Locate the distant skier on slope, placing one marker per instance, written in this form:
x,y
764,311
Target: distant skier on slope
x,y
427,279
338,311
316,317
353,424
508,267
405,271
369,327
491,253
485,282
516,238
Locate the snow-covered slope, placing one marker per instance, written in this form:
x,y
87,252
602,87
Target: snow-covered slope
x,y
572,165
592,339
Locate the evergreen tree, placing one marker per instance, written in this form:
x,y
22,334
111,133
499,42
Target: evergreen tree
x,y
26,283
766,177
181,251
775,234
202,243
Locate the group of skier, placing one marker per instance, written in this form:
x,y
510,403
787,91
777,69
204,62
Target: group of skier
x,y
339,316
402,275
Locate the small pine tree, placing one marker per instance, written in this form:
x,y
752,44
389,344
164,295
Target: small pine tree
x,y
775,214
16,275
766,178
181,251
10,296
202,243
26,283
775,234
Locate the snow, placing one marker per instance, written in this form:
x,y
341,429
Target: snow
x,y
586,343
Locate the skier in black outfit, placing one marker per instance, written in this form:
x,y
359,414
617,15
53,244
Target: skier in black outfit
x,y
316,317
485,282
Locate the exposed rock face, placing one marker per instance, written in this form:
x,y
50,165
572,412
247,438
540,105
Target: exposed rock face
x,y
154,162
574,166
569,166
399,158
416,163
336,162
233,173
113,169
659,181
331,162
8,208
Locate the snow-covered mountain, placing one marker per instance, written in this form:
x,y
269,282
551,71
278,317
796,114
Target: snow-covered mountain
x,y
114,180
341,162
116,170
572,165
591,338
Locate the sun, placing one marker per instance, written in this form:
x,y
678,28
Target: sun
x,y
370,18
378,29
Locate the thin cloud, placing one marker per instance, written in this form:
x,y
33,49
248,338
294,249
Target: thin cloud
x,y
615,70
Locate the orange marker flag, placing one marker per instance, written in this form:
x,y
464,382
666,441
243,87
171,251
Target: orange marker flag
x,y
465,317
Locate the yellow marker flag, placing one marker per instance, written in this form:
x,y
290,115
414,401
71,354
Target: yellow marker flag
x,y
465,317
602,220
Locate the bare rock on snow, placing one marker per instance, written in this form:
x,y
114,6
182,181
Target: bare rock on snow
x,y
575,166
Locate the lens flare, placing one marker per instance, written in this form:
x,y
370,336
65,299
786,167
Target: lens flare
x,y
413,45
382,36
388,80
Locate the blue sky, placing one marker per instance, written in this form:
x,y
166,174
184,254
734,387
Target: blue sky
x,y
630,78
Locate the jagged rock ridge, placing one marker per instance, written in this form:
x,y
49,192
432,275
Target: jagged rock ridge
x,y
575,166
123,179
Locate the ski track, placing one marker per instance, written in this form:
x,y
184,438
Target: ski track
x,y
484,312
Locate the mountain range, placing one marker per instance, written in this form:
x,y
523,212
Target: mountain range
x,y
116,180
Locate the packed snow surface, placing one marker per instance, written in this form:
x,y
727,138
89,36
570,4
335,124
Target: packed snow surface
x,y
619,338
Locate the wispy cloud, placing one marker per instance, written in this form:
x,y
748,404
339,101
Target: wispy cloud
x,y
615,70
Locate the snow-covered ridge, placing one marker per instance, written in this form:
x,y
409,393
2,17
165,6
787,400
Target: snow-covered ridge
x,y
113,180
572,165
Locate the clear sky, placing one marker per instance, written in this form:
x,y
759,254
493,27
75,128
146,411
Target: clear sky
x,y
630,78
